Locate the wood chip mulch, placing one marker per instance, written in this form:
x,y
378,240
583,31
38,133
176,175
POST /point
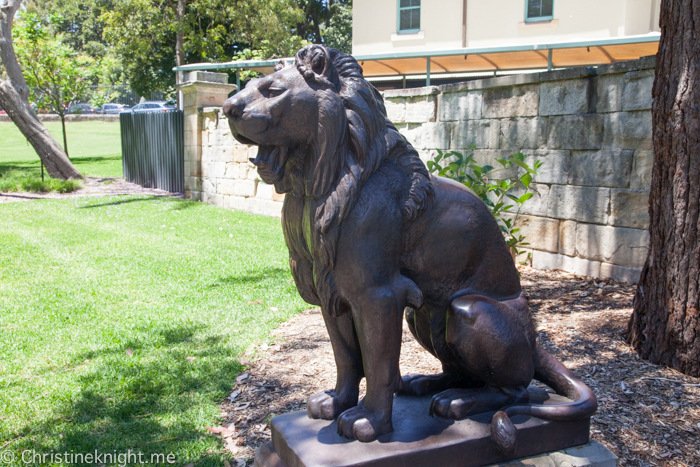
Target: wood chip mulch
x,y
648,415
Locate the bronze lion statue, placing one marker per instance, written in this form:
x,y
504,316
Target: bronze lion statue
x,y
372,236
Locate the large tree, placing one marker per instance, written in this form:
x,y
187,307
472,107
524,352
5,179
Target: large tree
x,y
665,325
144,33
14,98
327,22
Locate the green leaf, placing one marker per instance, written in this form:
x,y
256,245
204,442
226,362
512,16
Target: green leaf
x,y
526,180
521,164
525,197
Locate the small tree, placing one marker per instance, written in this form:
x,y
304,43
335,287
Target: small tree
x,y
14,94
57,75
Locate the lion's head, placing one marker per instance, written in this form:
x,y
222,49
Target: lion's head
x,y
322,131
317,123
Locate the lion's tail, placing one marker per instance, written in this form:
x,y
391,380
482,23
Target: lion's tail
x,y
551,372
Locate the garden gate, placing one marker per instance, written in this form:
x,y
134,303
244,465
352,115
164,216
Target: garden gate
x,y
153,149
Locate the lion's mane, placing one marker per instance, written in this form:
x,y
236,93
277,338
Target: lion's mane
x,y
350,147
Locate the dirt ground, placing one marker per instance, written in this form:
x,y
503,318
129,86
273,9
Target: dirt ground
x,y
91,187
648,415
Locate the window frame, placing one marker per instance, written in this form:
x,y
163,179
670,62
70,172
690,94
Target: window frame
x,y
535,19
398,18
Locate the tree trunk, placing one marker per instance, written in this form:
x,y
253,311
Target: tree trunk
x,y
179,48
65,138
665,325
14,98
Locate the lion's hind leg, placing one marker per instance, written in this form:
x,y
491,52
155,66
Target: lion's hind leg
x,y
494,342
420,385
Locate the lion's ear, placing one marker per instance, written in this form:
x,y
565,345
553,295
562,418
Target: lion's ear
x,y
319,61
314,62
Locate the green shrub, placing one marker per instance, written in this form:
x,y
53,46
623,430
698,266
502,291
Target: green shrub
x,y
493,185
14,181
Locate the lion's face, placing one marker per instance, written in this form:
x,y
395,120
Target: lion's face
x,y
278,112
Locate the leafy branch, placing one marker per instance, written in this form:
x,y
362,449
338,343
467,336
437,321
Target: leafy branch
x,y
493,185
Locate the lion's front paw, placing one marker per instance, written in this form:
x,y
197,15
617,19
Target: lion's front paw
x,y
363,425
325,405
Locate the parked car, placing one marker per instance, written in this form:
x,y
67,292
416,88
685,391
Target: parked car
x,y
81,109
152,106
113,109
31,104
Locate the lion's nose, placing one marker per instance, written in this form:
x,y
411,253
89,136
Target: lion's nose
x,y
234,107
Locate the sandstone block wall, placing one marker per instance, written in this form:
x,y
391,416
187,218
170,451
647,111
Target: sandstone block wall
x,y
590,127
592,130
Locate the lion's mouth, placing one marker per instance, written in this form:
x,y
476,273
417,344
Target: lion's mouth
x,y
242,139
270,162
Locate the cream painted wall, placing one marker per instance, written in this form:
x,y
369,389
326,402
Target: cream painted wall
x,y
496,23
374,25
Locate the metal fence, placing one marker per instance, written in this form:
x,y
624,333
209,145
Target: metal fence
x,y
153,149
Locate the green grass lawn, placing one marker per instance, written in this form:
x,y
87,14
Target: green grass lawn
x,y
94,147
122,320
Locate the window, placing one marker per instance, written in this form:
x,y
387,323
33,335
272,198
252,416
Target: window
x,y
539,10
409,16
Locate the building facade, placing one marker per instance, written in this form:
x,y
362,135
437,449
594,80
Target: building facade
x,y
395,26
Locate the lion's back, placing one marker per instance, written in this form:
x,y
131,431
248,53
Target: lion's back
x,y
457,245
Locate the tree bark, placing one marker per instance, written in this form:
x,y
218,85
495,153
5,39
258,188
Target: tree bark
x,y
179,47
665,325
65,138
14,98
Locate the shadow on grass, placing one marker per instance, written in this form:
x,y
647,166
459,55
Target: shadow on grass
x,y
29,168
34,167
265,274
144,395
182,204
123,201
86,159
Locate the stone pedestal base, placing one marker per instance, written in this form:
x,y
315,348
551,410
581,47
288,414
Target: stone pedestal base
x,y
421,440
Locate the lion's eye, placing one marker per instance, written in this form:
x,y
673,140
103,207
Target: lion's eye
x,y
274,92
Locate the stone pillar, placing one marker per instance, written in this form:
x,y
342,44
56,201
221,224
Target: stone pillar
x,y
200,89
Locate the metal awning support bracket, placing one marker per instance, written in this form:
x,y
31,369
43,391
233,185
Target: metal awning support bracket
x,y
427,75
